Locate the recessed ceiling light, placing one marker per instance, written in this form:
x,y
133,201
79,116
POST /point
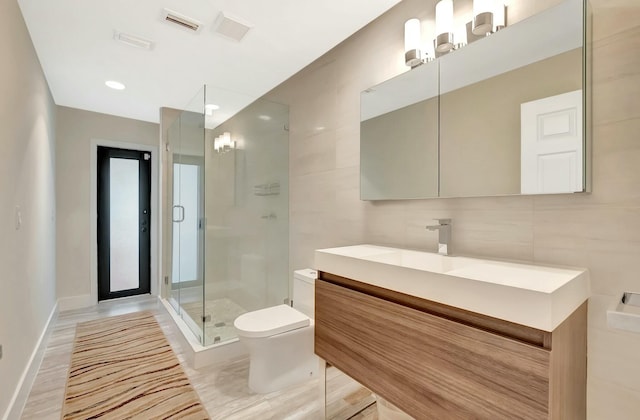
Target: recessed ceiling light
x,y
209,108
114,85
264,117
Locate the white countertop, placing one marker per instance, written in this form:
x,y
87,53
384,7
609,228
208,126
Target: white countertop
x,y
533,295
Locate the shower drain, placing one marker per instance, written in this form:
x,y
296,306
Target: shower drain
x,y
220,324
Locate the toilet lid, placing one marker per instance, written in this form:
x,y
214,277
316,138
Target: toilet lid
x,y
270,321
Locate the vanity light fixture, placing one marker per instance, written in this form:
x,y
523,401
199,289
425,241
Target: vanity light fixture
x,y
444,26
412,51
489,16
223,143
461,37
226,141
483,11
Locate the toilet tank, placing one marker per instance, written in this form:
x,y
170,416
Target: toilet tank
x,y
303,291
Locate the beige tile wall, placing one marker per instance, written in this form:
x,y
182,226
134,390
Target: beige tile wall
x,y
74,132
600,231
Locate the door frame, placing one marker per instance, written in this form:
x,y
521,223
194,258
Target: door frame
x,y
155,215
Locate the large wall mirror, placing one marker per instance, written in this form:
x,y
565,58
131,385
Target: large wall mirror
x,y
508,117
399,136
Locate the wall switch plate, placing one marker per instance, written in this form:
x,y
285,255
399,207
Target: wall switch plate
x,y
18,218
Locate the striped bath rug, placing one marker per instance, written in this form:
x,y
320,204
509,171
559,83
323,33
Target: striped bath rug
x,y
122,367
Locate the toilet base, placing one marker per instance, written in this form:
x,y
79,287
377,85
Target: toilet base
x,y
281,361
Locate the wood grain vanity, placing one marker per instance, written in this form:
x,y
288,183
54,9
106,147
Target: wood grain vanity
x,y
436,361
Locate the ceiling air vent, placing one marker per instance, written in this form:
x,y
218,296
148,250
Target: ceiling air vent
x,y
133,41
230,27
181,20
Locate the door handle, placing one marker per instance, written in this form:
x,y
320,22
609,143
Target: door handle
x,y
180,219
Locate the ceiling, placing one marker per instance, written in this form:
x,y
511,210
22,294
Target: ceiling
x,y
74,40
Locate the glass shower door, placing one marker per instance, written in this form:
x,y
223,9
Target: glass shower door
x,y
247,213
229,250
187,168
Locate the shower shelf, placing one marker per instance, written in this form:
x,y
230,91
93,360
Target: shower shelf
x,y
271,188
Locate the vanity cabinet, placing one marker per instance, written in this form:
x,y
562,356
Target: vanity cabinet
x,y
438,362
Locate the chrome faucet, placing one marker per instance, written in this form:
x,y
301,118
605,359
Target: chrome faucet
x,y
444,235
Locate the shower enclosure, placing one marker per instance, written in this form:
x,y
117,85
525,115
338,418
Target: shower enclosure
x,y
228,189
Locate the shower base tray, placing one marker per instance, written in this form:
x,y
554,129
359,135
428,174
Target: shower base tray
x,y
198,355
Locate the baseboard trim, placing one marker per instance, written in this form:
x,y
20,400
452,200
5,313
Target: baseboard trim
x,y
75,302
19,399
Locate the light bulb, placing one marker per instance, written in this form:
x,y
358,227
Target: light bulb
x,y
444,25
482,6
412,53
226,140
461,36
412,35
499,16
483,16
444,16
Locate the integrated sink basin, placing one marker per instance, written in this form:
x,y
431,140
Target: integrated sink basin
x,y
416,260
540,297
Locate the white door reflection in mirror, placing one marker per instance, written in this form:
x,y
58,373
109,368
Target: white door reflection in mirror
x,y
552,144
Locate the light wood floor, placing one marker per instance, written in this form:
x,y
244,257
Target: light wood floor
x,y
222,388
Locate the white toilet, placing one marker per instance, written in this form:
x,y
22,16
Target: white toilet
x,y
280,339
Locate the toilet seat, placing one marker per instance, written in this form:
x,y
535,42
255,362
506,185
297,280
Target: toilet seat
x,y
270,321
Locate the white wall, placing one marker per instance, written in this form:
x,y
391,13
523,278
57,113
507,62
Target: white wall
x,y
76,129
27,175
600,231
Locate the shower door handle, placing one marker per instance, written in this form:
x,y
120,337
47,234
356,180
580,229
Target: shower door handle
x,y
181,218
